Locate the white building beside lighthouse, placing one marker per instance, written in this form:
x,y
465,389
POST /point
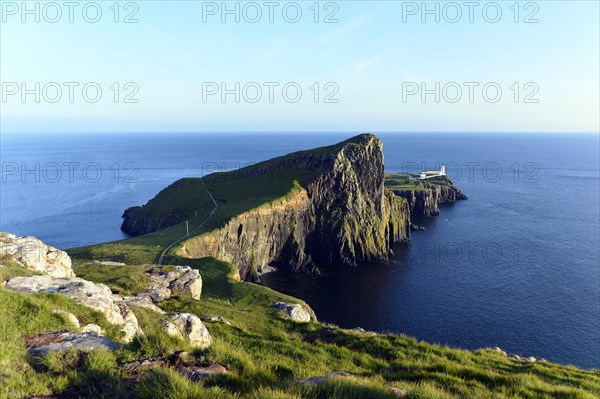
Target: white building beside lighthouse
x,y
428,174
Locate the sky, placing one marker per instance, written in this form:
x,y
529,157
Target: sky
x,y
195,66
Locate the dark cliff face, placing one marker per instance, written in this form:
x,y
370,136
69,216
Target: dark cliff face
x,y
136,224
343,216
425,202
351,212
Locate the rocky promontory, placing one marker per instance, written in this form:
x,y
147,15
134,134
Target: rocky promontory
x,y
338,213
307,210
424,197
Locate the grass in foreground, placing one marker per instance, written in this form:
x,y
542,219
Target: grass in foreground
x,y
266,353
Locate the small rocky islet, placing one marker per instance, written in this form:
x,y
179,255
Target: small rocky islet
x,y
197,326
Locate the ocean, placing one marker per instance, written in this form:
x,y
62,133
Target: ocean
x,y
517,265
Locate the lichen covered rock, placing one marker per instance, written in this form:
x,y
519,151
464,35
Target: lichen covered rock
x,y
294,311
87,293
190,327
36,256
42,345
184,281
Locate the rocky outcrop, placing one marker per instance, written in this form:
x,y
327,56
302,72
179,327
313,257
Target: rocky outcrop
x,y
95,296
200,373
188,326
184,281
425,201
42,345
182,362
142,301
36,256
341,215
294,311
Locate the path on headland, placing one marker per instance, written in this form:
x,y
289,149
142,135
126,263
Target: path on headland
x,y
162,256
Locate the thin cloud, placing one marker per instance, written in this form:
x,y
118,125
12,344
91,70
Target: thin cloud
x,y
359,66
344,30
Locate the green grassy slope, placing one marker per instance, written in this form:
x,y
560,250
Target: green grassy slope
x,y
266,353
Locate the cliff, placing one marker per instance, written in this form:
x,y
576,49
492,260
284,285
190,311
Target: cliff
x,y
304,210
338,213
424,197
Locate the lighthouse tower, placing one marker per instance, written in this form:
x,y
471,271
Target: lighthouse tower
x,y
443,170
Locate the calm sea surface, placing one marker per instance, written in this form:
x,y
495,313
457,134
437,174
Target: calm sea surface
x,y
515,266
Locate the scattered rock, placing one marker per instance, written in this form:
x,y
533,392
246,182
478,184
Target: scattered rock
x,y
158,293
294,310
398,392
321,379
414,227
190,327
182,358
36,256
171,329
189,284
531,359
215,319
142,301
95,296
93,328
183,362
110,263
197,374
184,281
70,318
44,344
517,357
136,370
499,350
362,331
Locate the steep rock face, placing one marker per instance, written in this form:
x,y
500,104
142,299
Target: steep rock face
x,y
355,220
255,239
425,202
343,216
135,223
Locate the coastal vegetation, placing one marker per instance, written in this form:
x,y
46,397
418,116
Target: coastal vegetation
x,y
265,352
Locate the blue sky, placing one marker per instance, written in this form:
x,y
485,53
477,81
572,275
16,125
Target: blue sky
x,y
368,61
